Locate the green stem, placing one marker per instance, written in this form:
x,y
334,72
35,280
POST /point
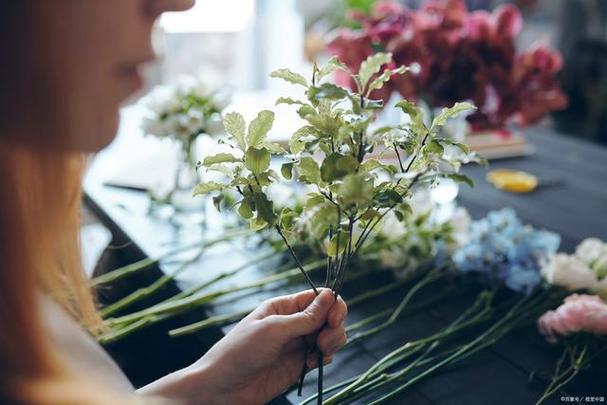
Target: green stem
x,y
144,264
146,292
225,319
476,313
185,304
194,289
214,321
509,321
560,379
429,278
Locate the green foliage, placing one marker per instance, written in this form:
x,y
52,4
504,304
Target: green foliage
x,y
259,128
257,160
234,125
352,184
289,76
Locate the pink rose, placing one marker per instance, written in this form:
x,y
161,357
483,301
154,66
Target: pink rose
x,y
579,313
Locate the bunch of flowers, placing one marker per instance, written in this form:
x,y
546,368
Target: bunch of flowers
x,y
460,55
584,270
580,323
501,247
184,111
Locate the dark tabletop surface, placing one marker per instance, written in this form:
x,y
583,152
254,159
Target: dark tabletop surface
x,y
573,203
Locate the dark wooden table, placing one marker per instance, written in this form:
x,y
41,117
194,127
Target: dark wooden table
x,y
573,203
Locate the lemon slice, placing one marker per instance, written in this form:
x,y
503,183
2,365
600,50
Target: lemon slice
x,y
514,181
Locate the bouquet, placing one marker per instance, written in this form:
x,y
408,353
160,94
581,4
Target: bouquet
x,y
183,112
353,191
458,56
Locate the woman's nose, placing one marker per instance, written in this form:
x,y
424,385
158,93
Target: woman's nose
x,y
157,7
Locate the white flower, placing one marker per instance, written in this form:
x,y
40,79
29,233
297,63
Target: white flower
x,y
590,250
570,272
152,126
460,222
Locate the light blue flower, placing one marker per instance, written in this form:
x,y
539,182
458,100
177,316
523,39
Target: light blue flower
x,y
502,248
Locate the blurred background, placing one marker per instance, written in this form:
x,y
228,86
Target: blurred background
x,y
237,43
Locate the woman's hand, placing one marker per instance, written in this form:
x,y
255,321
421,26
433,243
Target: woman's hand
x,y
263,355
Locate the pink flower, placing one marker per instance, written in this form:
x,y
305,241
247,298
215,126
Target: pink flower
x,y
578,313
462,56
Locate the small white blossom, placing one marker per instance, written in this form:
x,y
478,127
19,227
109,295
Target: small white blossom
x,y
570,272
460,222
590,250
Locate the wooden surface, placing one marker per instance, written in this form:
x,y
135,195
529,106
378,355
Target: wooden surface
x,y
573,203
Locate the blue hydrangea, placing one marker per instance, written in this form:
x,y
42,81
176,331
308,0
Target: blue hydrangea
x,y
502,248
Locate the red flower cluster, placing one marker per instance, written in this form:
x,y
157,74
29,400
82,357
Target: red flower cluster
x,y
461,55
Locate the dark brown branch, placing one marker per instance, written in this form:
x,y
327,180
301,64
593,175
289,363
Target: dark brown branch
x,y
297,261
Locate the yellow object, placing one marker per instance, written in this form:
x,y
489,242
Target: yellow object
x,y
514,181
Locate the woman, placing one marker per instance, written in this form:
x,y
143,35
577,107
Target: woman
x,y
66,66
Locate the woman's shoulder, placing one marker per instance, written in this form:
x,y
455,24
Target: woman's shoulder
x,y
79,350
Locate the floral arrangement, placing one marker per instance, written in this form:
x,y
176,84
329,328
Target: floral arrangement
x,y
580,323
353,190
183,112
459,56
501,247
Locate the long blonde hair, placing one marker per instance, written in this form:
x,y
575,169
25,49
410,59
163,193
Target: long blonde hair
x,y
39,249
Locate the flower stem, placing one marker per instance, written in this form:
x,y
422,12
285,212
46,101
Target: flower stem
x,y
184,304
144,264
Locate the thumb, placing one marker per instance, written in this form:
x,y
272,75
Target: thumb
x,y
312,318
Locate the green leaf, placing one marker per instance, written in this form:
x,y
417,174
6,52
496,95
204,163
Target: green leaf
x,y
332,65
461,178
257,160
451,112
264,208
385,77
327,91
306,110
234,125
308,170
334,248
289,101
435,147
274,148
387,198
245,209
371,164
370,67
289,76
208,187
337,166
296,145
220,158
259,128
287,170
416,115
257,224
217,201
324,216
461,146
355,190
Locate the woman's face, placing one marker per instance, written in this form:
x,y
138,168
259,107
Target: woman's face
x,y
71,63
